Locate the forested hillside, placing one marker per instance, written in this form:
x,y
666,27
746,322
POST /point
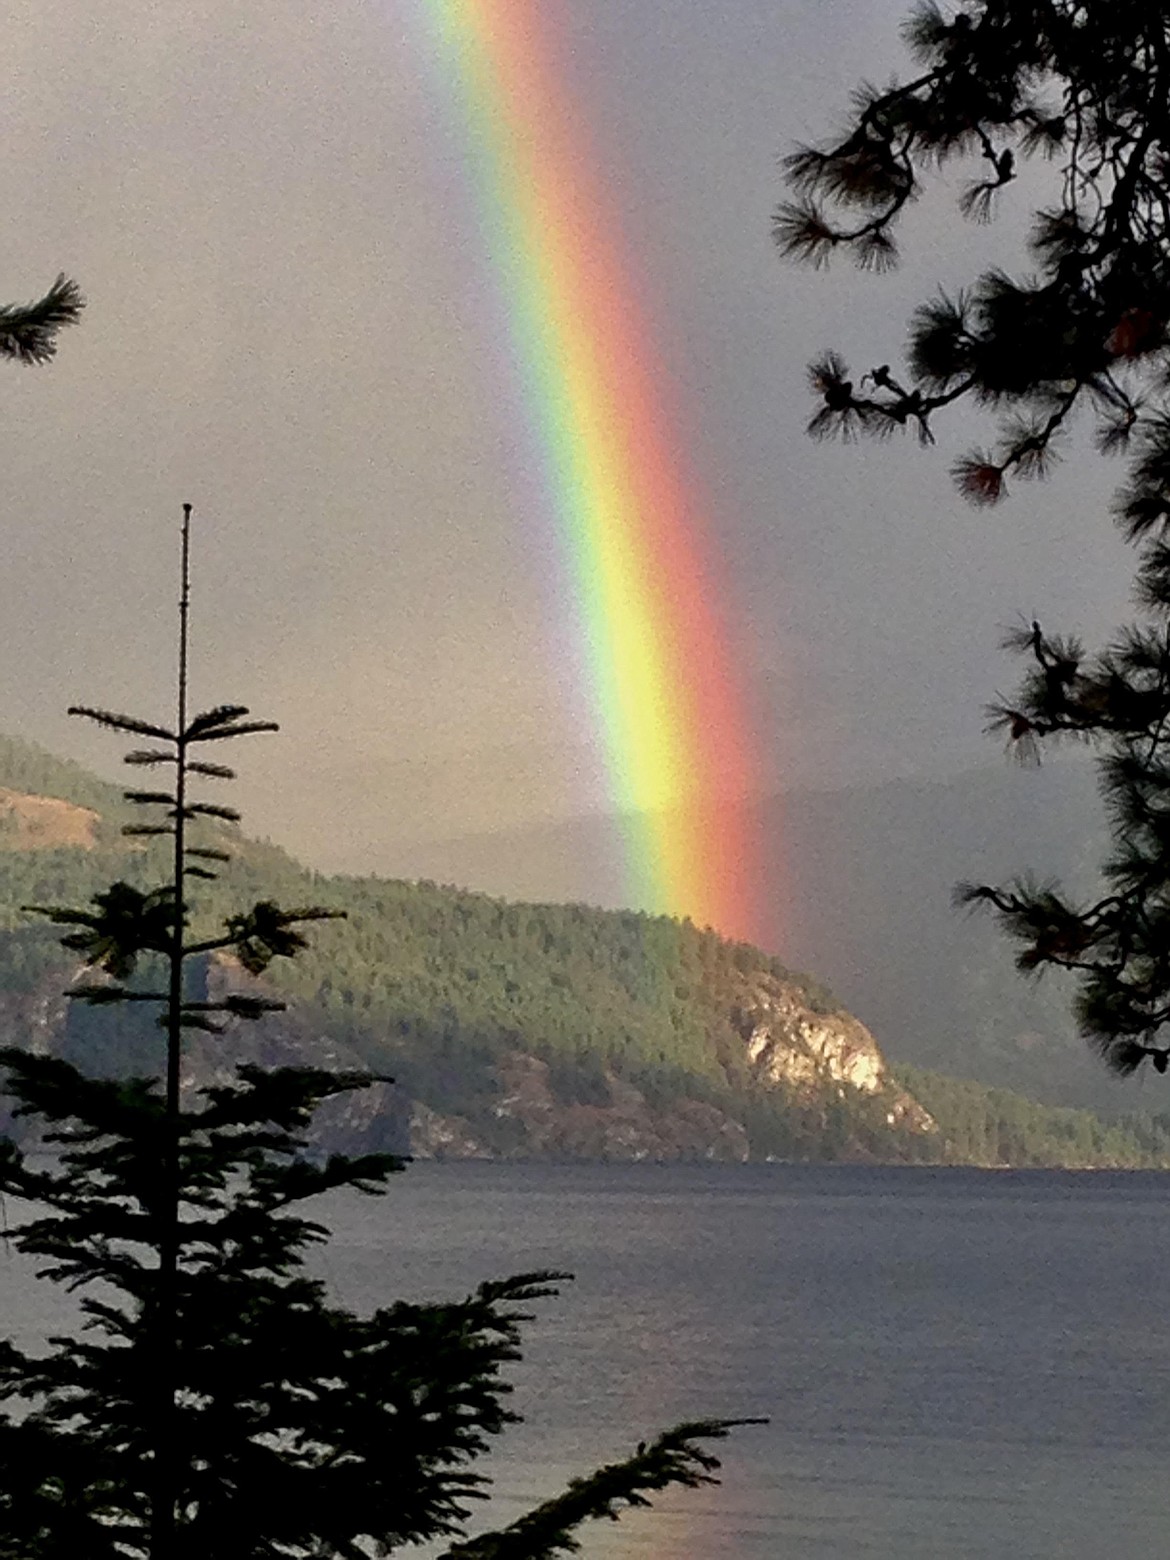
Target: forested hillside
x,y
861,883
521,1028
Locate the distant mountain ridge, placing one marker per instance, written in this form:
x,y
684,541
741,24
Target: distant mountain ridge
x,y
512,1029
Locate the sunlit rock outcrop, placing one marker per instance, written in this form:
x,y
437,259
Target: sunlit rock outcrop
x,y
791,1045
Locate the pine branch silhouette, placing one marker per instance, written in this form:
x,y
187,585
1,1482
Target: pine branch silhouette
x,y
673,1458
28,332
1083,333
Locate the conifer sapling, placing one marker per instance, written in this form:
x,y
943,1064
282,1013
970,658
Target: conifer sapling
x,y
215,1402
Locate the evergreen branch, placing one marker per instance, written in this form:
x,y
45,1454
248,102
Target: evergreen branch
x,y
211,810
980,478
58,1092
238,1006
800,232
193,766
844,413
103,996
28,332
128,723
540,1284
265,933
673,1458
243,729
283,1096
978,199
125,924
1104,299
221,715
302,1179
145,757
226,720
941,342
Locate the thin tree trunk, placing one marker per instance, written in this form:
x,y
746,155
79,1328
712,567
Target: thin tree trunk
x,y
164,1498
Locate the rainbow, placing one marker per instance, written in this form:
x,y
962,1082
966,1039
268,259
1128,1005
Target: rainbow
x,y
669,708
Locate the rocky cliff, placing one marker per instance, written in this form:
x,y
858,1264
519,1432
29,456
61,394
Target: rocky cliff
x,y
514,1030
791,1046
791,1057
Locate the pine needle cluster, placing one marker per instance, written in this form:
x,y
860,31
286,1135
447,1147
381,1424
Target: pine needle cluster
x,y
28,331
1001,82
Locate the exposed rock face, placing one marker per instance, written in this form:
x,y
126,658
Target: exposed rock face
x,y
625,1127
44,823
787,1047
376,1119
34,1019
432,1136
787,1043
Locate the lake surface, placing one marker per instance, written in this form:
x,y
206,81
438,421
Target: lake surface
x,y
956,1364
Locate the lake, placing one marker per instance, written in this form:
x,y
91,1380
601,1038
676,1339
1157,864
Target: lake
x,y
959,1365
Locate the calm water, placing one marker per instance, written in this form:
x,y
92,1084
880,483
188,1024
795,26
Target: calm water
x,y
956,1364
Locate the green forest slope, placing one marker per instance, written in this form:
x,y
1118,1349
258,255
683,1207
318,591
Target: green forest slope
x,y
446,989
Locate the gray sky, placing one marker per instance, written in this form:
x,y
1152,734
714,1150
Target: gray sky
x,y
287,325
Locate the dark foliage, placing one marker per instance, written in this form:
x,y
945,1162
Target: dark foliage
x,y
1002,81
28,331
1086,86
299,1426
673,1458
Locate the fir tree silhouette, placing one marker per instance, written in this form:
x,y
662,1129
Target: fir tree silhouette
x,y
215,1402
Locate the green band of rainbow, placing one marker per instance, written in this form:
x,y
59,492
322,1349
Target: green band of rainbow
x,y
669,708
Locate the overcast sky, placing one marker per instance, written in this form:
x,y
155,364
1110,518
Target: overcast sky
x,y
287,325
